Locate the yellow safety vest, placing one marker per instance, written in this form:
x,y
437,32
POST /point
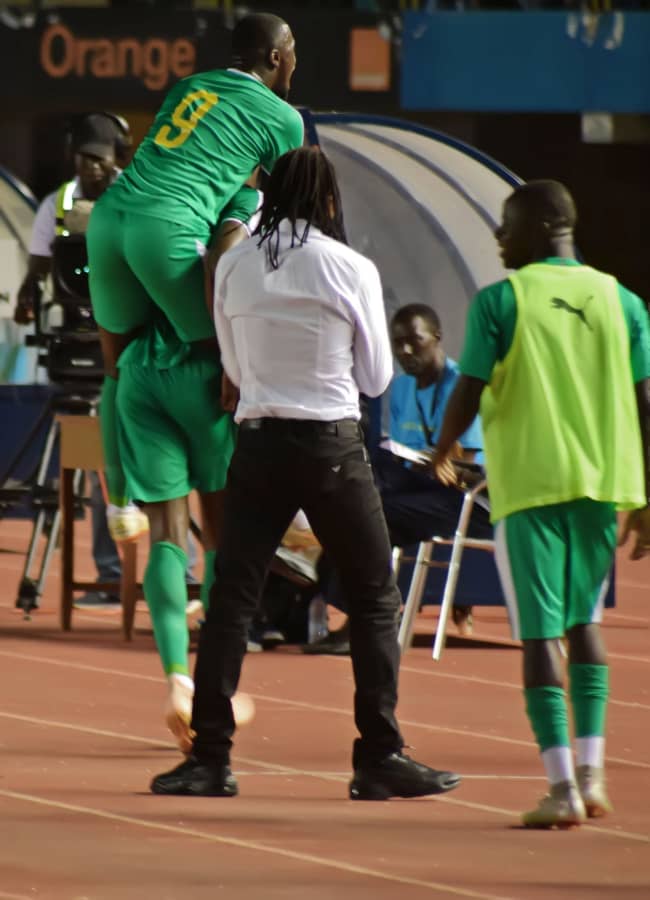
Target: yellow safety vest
x,y
64,203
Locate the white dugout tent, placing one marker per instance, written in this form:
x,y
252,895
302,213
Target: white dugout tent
x,y
422,205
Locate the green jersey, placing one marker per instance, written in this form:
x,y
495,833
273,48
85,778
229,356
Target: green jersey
x,y
212,130
158,346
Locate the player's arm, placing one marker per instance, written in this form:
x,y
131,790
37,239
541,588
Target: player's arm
x,y
235,225
479,356
639,324
227,235
222,324
639,519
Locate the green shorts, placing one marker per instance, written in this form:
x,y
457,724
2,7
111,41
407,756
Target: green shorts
x,y
174,436
137,262
555,563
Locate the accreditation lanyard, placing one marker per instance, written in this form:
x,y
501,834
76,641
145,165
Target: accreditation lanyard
x,y
428,434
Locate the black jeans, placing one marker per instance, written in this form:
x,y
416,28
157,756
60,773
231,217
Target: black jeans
x,y
277,468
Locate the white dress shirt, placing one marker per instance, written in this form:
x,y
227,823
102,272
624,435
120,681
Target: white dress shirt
x,y
301,341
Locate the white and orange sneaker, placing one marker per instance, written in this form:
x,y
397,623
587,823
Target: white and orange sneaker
x,y
562,807
178,710
126,523
591,784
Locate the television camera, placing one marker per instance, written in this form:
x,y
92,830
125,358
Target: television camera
x,y
66,336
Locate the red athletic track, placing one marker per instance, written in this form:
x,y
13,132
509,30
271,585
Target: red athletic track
x,y
82,736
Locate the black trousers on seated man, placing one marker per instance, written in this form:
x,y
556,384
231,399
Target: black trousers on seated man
x,y
417,506
280,466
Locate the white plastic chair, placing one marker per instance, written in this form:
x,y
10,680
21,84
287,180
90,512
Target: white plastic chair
x,y
424,561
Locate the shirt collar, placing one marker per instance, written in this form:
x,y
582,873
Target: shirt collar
x,y
561,261
252,75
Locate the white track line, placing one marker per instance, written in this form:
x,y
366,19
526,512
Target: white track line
x,y
324,861
616,615
301,704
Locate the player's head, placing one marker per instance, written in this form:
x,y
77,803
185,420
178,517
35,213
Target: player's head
x,y
263,43
94,141
415,334
538,220
302,188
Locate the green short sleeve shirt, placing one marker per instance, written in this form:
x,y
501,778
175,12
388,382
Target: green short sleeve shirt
x,y
491,324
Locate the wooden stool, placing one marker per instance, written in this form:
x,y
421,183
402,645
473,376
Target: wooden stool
x,y
80,447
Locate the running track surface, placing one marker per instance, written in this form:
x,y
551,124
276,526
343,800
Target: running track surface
x,y
82,735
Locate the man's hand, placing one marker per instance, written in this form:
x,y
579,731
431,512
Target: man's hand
x,y
229,394
23,312
443,469
638,520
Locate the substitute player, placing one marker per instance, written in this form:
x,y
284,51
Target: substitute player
x,y
212,130
174,437
553,354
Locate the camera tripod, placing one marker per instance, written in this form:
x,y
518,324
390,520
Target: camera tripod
x,y
40,493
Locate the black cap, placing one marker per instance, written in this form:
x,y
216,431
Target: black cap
x,y
95,135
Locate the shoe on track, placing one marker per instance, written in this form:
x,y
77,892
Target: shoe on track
x,y
398,775
561,808
591,784
193,778
126,523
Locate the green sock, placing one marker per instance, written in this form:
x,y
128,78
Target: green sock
x,y
115,477
166,594
546,709
589,690
208,577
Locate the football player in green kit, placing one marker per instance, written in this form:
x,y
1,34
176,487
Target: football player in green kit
x,y
557,356
175,437
146,236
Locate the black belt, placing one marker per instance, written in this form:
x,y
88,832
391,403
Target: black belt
x,y
339,426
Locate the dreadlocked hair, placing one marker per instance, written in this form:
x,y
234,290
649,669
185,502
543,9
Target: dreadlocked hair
x,y
302,185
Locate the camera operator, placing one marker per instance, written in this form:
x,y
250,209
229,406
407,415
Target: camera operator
x,y
97,141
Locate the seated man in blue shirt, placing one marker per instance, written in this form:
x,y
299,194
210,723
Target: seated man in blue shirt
x,y
416,505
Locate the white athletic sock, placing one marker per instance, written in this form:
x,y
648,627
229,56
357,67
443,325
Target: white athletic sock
x,y
558,762
185,680
590,751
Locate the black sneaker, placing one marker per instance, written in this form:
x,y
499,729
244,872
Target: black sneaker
x,y
196,779
398,775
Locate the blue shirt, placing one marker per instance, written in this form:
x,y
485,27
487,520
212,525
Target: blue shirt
x,y
406,420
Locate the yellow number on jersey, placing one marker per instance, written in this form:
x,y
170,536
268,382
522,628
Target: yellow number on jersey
x,y
185,118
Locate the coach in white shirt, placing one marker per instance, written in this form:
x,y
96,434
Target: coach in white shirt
x,y
301,325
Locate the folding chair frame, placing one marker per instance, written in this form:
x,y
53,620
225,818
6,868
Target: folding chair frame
x,y
423,562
